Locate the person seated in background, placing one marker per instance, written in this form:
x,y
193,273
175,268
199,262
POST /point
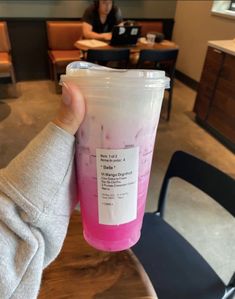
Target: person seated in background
x,y
99,20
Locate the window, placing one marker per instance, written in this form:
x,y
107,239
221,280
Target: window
x,y
224,8
232,5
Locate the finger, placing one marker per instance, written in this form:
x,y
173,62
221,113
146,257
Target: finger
x,y
72,108
74,102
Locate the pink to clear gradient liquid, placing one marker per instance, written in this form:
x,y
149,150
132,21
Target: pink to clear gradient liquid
x,y
105,132
109,237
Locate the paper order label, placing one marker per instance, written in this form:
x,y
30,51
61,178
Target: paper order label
x,y
117,179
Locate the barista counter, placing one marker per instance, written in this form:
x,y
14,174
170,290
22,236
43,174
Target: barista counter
x,y
215,101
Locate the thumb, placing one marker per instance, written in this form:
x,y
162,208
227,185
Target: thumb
x,y
72,108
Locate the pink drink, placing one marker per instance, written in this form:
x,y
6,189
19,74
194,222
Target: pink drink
x,y
114,153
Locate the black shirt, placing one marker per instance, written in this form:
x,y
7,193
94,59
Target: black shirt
x,y
91,16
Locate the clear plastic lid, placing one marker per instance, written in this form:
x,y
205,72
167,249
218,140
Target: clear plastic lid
x,y
82,69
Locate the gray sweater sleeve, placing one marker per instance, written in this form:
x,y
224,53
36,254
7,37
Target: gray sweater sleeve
x,y
37,193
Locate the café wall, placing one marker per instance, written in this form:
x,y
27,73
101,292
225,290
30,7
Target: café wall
x,y
194,26
74,9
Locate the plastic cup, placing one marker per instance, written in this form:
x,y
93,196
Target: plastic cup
x,y
150,38
114,150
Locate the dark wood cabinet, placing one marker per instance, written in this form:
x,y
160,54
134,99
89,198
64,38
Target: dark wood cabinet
x,y
215,101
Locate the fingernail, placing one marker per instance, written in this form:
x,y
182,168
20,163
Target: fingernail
x,y
66,96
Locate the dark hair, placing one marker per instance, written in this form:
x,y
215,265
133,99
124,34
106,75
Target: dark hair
x,y
97,2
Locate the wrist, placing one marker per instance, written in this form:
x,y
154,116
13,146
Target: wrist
x,y
66,126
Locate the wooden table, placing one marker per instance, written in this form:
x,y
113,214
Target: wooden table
x,y
134,49
83,272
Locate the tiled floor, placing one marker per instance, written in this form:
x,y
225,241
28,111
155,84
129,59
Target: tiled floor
x,y
209,228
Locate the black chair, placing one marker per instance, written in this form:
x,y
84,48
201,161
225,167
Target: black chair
x,y
117,58
175,268
160,60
